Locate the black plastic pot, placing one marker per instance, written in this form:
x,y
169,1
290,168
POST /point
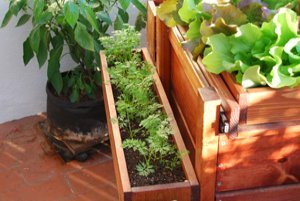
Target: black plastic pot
x,y
78,117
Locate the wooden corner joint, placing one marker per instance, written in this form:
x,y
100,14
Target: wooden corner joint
x,y
210,95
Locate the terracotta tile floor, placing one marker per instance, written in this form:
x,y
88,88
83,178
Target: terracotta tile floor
x,y
30,170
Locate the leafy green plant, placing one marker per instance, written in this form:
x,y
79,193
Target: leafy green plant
x,y
266,55
119,47
139,113
206,18
73,26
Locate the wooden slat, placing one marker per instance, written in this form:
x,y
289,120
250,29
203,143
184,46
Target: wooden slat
x,y
229,104
207,143
267,159
191,68
246,131
185,93
151,32
279,193
183,127
265,105
122,178
163,54
178,191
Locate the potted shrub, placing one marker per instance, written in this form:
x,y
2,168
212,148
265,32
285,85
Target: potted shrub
x,y
145,141
75,106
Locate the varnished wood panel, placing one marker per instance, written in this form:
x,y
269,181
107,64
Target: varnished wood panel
x,y
207,143
163,54
151,29
183,127
279,193
266,105
189,189
175,191
186,96
268,158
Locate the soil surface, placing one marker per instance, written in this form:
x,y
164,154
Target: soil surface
x,y
162,175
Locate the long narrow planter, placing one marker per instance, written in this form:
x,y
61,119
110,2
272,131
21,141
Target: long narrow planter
x,y
181,191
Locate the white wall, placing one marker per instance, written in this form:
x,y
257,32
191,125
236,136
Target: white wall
x,y
22,89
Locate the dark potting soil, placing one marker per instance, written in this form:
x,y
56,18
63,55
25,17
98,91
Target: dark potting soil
x,y
161,175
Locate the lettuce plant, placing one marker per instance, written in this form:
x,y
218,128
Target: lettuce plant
x,y
208,17
266,55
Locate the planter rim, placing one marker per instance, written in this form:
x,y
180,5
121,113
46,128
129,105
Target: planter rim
x,y
114,132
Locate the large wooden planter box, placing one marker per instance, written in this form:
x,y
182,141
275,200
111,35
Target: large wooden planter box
x,y
259,158
181,191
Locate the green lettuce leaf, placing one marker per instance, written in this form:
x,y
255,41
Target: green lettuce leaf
x,y
286,23
220,53
165,12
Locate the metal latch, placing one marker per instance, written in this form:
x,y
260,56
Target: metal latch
x,y
224,124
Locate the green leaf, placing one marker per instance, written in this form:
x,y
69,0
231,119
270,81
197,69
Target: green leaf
x,y
277,4
71,13
42,54
23,19
292,49
124,15
194,30
35,39
124,3
140,22
98,78
54,75
103,16
188,11
57,41
254,12
245,39
44,18
165,12
7,18
230,14
38,8
91,17
118,24
57,82
286,22
27,51
220,53
83,38
88,59
252,77
139,6
16,5
96,52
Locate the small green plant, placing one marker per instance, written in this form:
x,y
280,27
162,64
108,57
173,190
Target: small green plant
x,y
139,113
119,47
